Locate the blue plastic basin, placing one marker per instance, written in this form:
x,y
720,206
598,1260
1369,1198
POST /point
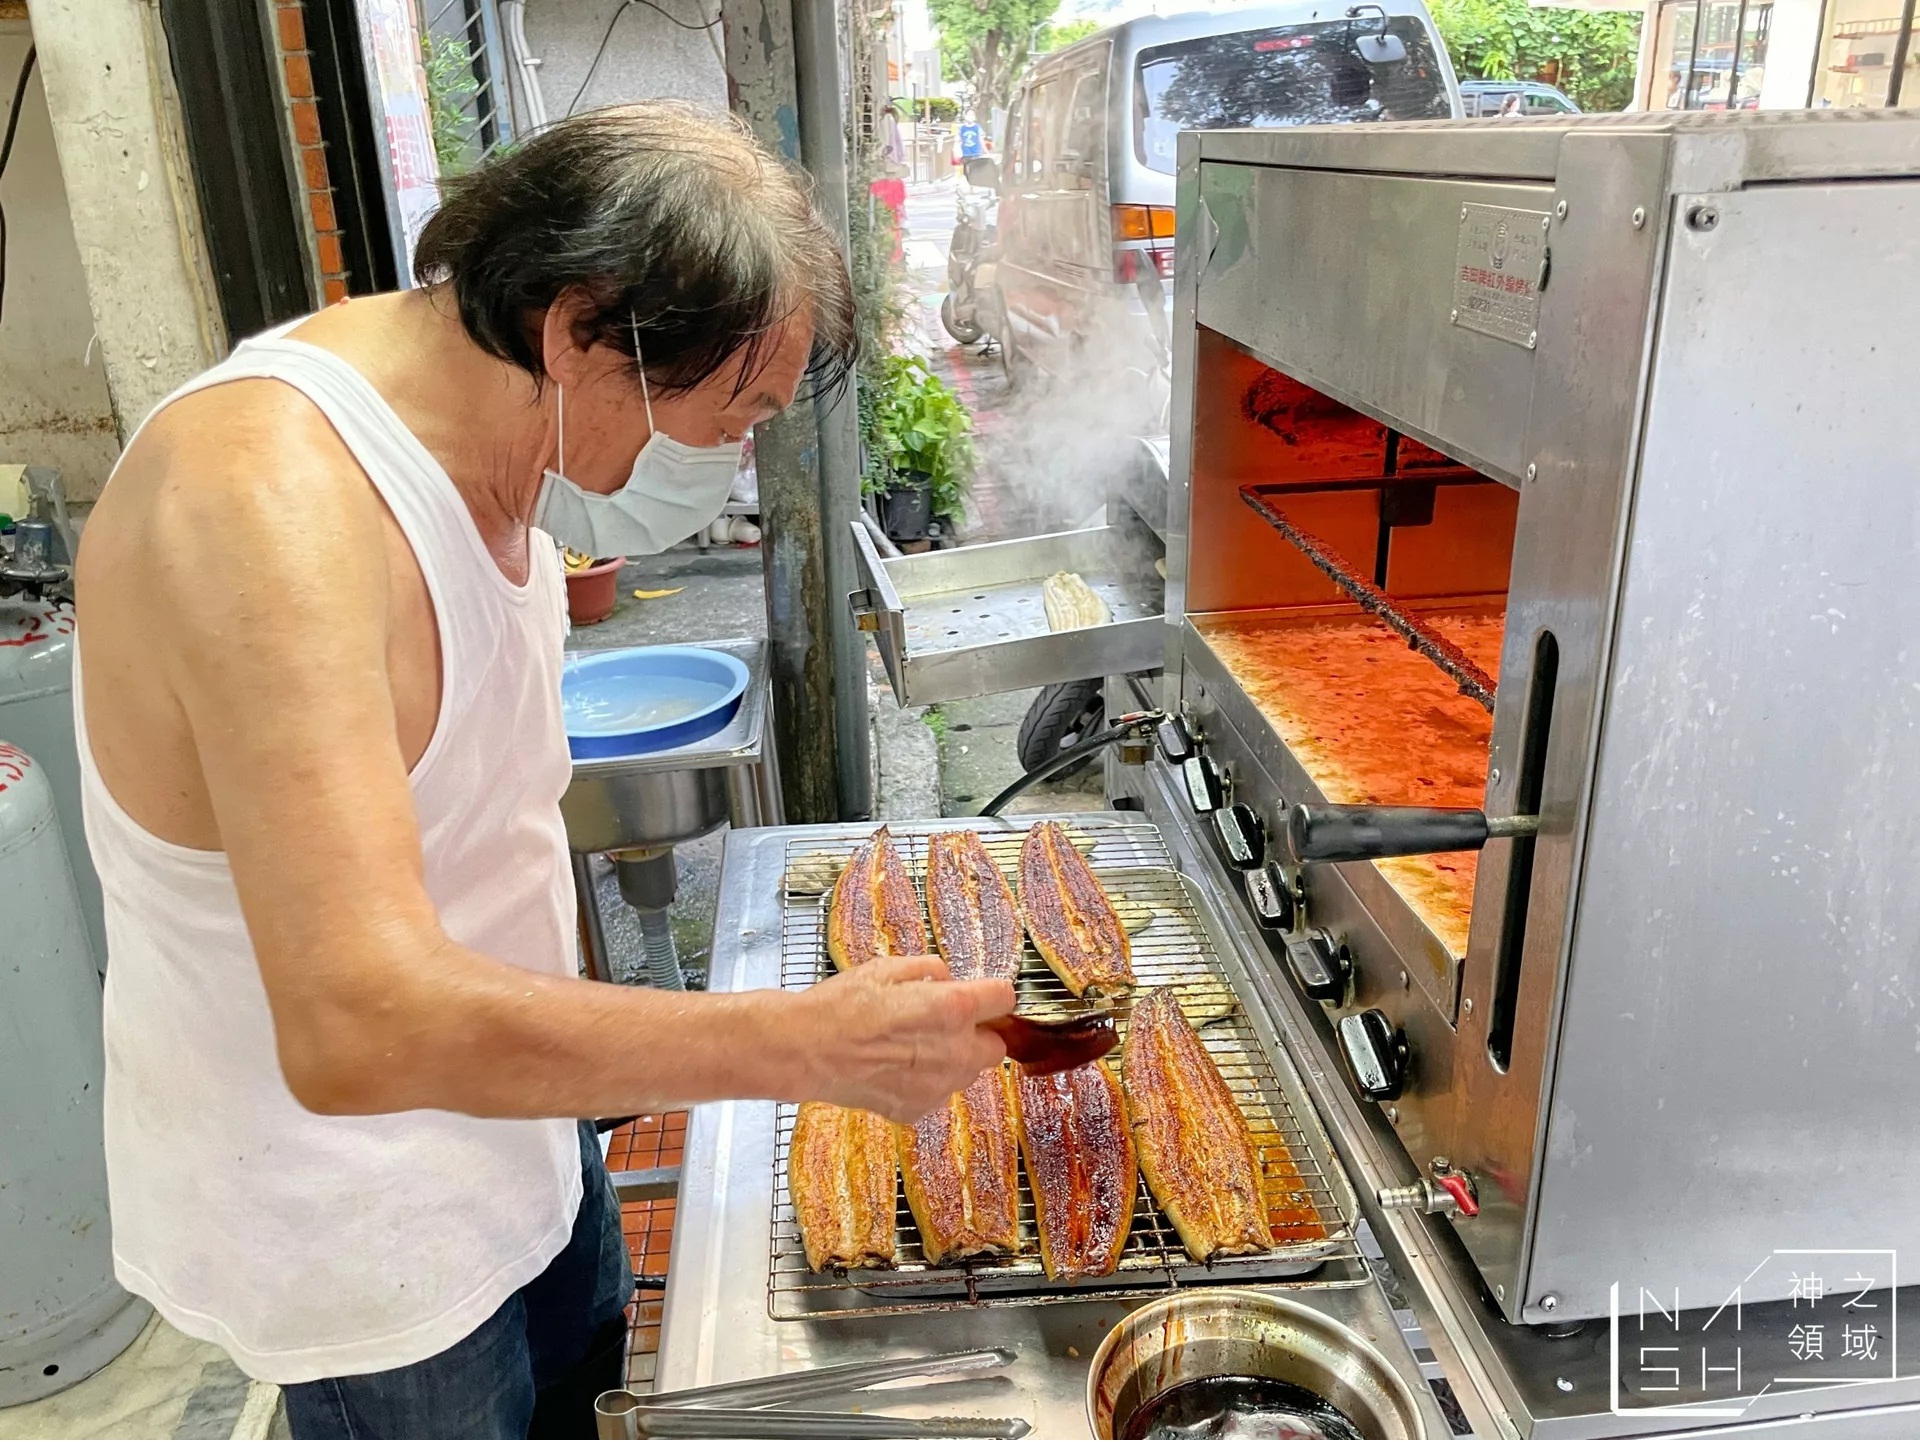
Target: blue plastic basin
x,y
647,698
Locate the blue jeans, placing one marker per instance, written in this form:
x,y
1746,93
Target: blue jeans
x,y
532,1369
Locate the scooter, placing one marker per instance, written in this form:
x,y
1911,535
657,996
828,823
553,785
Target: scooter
x,y
975,231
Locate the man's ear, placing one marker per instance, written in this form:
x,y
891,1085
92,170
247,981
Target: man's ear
x,y
561,351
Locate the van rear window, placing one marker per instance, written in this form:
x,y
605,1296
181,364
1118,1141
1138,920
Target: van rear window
x,y
1287,75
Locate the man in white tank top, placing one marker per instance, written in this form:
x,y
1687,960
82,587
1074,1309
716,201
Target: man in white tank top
x,y
321,628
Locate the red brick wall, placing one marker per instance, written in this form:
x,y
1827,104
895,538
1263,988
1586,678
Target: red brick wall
x,y
290,22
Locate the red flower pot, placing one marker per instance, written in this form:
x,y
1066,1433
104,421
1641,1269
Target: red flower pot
x,y
592,592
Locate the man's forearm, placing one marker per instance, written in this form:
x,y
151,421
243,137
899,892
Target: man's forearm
x,y
616,1050
471,1034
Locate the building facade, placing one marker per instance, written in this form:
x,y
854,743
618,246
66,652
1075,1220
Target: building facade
x,y
1778,54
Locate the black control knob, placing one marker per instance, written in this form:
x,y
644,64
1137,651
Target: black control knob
x,y
1321,966
1204,790
1174,740
1376,1054
1242,836
1270,895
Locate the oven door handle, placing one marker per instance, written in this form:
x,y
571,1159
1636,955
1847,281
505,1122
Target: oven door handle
x,y
1371,833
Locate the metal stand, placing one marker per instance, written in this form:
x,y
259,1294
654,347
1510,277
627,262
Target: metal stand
x,y
593,931
662,798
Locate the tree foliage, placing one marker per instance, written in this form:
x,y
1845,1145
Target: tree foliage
x,y
985,43
451,87
1589,54
1059,37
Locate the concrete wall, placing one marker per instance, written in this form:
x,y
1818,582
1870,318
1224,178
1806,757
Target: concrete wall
x,y
136,218
649,56
54,408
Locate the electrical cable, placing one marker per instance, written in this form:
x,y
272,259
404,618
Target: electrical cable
x,y
6,154
600,54
626,5
513,26
674,19
1133,724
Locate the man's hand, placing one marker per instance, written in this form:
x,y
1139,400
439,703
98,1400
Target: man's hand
x,y
897,1037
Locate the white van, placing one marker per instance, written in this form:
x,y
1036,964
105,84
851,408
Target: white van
x,y
1086,172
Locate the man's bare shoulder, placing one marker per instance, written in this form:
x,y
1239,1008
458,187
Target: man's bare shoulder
x,y
239,483
252,437
247,460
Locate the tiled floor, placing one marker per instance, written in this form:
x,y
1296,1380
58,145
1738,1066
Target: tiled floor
x,y
647,1142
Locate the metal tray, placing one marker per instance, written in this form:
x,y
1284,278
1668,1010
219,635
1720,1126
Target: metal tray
x,y
1176,943
969,622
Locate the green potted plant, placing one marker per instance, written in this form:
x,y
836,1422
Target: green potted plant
x,y
925,456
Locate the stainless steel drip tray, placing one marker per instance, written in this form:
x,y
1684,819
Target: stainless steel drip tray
x,y
970,621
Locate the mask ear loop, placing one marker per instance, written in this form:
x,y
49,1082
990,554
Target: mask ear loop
x,y
560,414
645,399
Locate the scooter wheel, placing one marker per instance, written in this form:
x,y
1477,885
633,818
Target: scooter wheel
x,y
965,333
1062,715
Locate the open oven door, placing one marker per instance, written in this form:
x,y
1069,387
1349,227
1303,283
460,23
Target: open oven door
x,y
972,621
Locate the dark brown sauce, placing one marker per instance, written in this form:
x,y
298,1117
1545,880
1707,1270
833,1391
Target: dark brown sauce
x,y
1252,1407
1045,1047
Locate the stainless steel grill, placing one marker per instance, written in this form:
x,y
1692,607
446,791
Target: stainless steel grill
x,y
1173,946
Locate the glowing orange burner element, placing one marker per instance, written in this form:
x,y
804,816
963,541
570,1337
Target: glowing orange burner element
x,y
1376,723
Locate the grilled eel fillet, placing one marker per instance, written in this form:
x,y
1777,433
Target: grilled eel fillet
x,y
1071,603
963,1173
974,921
1072,923
1199,1157
875,910
1080,1164
840,1175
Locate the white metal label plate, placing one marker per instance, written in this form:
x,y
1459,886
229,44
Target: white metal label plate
x,y
1497,272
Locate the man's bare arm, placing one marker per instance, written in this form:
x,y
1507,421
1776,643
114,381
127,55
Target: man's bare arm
x,y
271,568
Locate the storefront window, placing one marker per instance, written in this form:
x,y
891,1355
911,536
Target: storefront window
x,y
1870,55
1751,66
1711,54
1672,54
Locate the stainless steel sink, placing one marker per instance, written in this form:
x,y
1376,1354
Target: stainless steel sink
x,y
662,798
647,804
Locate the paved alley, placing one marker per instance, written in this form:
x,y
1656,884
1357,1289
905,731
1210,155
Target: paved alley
x,y
978,736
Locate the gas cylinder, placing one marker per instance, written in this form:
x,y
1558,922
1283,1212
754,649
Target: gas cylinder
x,y
62,1315
37,649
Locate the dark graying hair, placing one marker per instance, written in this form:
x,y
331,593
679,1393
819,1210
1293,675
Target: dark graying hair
x,y
663,214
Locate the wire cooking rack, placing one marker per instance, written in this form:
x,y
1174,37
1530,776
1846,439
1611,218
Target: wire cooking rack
x,y
1172,947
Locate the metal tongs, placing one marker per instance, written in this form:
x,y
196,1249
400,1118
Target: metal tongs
x,y
745,1409
1045,1045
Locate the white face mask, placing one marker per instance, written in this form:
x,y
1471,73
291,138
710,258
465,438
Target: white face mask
x,y
673,491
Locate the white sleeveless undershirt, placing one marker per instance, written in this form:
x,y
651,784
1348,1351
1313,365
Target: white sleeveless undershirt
x,y
312,1246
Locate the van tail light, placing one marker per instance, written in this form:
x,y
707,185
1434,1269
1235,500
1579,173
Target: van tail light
x,y
1143,222
1151,223
1132,265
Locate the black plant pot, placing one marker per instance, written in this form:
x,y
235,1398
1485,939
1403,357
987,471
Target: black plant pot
x,y
906,511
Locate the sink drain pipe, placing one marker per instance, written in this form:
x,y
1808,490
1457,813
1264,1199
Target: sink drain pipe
x,y
647,884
